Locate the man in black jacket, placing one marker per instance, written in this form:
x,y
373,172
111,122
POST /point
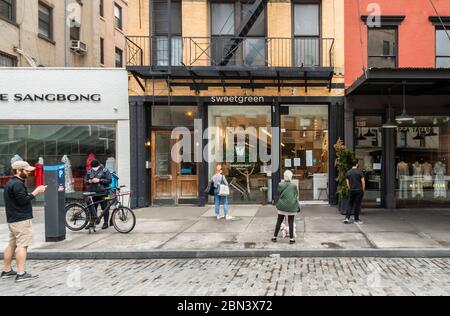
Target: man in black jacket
x,y
98,180
19,213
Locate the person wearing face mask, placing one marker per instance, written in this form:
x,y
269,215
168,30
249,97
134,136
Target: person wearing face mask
x,y
19,213
98,180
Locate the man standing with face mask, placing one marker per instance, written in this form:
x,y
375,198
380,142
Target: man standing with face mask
x,y
19,213
98,180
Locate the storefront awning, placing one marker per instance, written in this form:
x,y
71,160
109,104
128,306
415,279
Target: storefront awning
x,y
418,81
201,78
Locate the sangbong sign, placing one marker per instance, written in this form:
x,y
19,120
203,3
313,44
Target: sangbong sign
x,y
50,97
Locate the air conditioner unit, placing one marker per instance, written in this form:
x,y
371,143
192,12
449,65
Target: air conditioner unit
x,y
78,47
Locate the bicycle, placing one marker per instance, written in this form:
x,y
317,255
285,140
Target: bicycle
x,y
79,215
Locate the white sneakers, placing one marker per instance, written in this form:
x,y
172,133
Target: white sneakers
x,y
228,217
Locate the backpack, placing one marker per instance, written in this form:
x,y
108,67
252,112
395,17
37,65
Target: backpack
x,y
114,183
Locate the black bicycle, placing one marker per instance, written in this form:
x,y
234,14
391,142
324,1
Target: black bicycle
x,y
80,215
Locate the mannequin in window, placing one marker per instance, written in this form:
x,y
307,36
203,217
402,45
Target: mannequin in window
x,y
68,174
427,174
110,163
16,158
39,172
417,185
402,176
440,185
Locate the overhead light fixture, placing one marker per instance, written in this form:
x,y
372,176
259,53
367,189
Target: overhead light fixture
x,y
360,137
369,134
404,117
389,124
419,135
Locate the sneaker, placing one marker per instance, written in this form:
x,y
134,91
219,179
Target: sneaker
x,y
274,239
26,277
359,222
219,217
292,241
347,221
229,218
8,275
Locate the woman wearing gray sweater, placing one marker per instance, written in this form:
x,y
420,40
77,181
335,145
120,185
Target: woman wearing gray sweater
x,y
218,178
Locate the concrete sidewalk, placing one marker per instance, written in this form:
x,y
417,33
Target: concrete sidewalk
x,y
195,232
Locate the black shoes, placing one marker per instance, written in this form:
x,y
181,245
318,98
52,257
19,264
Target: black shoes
x,y
292,241
8,275
25,277
274,239
105,226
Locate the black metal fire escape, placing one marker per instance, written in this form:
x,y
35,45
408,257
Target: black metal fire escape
x,y
242,31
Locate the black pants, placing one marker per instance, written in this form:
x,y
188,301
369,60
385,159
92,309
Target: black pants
x,y
103,205
291,219
354,203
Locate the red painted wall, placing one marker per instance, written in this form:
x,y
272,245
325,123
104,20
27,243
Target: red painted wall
x,y
416,34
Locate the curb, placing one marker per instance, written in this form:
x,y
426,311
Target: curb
x,y
198,254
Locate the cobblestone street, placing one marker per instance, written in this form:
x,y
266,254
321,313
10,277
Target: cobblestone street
x,y
236,277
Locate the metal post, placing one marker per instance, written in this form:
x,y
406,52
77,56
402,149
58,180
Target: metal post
x,y
169,31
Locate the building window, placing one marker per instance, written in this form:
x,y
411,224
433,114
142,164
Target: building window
x,y
368,150
119,58
71,144
117,16
7,60
45,21
102,14
250,136
306,35
161,32
305,148
422,158
382,47
102,51
7,9
442,49
226,19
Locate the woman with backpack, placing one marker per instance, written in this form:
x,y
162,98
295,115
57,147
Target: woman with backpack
x,y
221,192
287,205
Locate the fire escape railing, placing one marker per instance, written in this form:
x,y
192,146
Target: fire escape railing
x,y
230,51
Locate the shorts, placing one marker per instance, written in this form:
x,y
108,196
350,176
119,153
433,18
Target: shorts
x,y
21,234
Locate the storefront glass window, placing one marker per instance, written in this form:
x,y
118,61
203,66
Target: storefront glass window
x,y
422,157
249,180
72,145
304,148
173,116
368,150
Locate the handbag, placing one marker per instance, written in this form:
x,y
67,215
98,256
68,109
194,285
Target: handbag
x,y
210,189
224,190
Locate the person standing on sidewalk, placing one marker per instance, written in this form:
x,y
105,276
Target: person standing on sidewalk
x,y
288,205
356,183
219,179
98,180
19,213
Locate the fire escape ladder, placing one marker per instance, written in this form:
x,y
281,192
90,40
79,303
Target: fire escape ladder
x,y
244,28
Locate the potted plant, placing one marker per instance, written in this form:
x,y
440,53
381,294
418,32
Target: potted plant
x,y
263,191
344,162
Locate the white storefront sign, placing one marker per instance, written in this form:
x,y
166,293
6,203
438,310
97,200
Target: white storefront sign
x,y
69,96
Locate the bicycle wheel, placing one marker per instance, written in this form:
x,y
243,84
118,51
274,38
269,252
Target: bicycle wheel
x,y
123,219
77,217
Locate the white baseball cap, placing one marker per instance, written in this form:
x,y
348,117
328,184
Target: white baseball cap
x,y
22,165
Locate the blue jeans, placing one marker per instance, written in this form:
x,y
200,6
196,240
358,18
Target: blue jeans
x,y
218,200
